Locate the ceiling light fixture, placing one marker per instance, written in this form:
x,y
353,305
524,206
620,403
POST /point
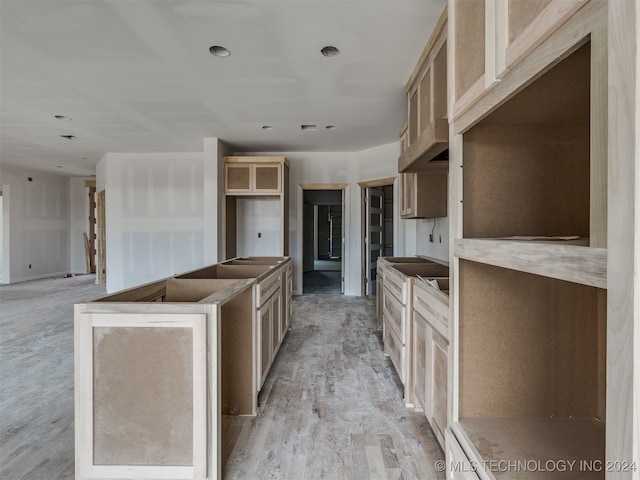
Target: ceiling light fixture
x,y
62,117
307,127
329,51
219,51
68,137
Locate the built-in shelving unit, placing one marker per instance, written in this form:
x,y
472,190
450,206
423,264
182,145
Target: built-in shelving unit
x,y
530,343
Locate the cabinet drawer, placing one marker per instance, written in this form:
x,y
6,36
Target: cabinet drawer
x,y
394,281
420,335
396,352
394,315
458,465
267,287
428,302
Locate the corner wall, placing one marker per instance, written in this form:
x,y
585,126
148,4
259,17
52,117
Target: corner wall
x,y
154,209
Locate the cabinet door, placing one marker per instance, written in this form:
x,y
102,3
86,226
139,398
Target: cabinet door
x,y
238,177
267,178
394,312
420,360
526,24
276,309
468,18
438,379
265,326
379,302
396,352
407,195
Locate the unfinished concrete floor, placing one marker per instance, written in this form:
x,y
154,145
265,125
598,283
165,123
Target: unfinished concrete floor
x,y
331,406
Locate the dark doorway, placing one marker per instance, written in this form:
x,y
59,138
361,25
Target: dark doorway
x,y
322,241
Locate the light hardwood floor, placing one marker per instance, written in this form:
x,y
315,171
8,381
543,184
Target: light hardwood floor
x,y
331,407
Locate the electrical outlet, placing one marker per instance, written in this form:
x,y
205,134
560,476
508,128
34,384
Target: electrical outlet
x,y
259,235
440,238
29,265
431,237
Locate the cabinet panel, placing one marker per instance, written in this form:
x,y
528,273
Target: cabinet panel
x,y
424,117
438,384
469,45
265,316
420,360
396,352
530,22
424,195
394,313
276,312
267,178
238,178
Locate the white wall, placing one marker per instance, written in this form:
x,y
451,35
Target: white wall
x,y
154,209
258,227
336,167
38,225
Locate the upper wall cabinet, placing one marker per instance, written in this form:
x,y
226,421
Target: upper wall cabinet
x,y
251,175
492,36
428,127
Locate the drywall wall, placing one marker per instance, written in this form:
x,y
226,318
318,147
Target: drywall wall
x,y
78,223
37,224
337,167
258,228
154,206
439,248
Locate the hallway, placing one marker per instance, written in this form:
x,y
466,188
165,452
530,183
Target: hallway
x,y
331,407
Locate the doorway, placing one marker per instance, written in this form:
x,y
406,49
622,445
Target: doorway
x,y
323,241
378,227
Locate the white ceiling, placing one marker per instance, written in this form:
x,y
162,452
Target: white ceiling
x,y
137,76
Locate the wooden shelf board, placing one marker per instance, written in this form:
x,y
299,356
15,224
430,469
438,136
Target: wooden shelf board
x,y
537,444
572,263
433,141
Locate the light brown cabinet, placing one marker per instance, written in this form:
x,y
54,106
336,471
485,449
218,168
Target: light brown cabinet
x,y
427,127
424,137
265,179
493,36
252,178
531,348
424,195
430,318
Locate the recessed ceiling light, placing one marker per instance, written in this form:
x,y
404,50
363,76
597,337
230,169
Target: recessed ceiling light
x,y
62,117
60,166
68,137
307,127
329,51
267,127
219,51
330,127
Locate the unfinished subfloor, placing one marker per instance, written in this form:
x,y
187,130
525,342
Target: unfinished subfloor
x,y
331,407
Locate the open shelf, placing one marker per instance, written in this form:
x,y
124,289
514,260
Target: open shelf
x,y
526,166
535,446
531,347
569,261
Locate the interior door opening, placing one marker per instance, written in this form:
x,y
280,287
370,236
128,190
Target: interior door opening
x,y
323,240
377,228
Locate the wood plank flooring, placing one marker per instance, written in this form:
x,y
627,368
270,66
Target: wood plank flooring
x,y
36,376
331,407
